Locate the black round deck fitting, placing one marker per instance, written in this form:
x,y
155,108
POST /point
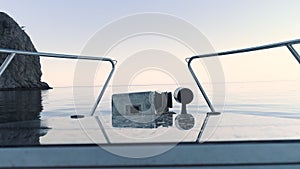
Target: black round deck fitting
x,y
77,116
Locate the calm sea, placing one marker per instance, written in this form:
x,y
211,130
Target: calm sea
x,y
251,110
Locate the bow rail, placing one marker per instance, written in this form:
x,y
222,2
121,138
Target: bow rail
x,y
13,53
287,44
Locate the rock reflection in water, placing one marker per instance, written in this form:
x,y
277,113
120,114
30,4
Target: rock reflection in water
x,y
20,122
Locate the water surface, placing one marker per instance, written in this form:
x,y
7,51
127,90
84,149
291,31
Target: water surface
x,y
251,111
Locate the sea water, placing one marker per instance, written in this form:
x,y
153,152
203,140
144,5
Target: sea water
x,y
263,110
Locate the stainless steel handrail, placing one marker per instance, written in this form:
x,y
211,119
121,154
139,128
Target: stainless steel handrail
x,y
288,44
12,54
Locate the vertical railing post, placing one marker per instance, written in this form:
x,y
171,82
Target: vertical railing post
x,y
294,52
210,105
103,88
6,62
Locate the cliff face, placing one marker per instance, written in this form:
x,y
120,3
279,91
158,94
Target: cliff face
x,y
24,72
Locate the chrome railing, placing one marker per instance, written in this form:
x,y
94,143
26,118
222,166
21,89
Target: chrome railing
x,y
13,53
288,44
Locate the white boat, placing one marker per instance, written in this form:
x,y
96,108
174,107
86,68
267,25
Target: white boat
x,y
242,154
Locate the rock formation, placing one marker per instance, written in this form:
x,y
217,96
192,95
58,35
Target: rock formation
x,y
24,72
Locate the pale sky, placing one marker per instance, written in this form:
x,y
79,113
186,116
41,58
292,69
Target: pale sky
x,y
65,26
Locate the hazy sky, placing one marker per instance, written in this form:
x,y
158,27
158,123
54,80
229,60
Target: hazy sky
x,y
64,26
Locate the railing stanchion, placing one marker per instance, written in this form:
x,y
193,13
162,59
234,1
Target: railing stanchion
x,y
294,52
103,89
6,62
211,107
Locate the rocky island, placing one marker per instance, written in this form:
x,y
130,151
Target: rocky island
x,y
24,72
